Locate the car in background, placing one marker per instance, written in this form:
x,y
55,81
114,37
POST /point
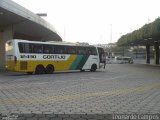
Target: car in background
x,y
123,60
110,60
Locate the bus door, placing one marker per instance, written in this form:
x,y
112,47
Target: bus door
x,y
102,57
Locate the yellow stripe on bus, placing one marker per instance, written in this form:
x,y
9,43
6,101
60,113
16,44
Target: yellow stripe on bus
x,y
31,64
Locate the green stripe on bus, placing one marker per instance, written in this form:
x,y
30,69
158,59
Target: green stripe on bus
x,y
76,62
82,62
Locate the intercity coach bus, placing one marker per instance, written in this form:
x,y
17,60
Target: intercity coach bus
x,y
48,57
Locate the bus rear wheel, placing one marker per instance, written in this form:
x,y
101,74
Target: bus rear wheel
x,y
49,69
40,69
93,68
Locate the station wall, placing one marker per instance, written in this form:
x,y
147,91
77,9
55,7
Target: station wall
x,y
5,34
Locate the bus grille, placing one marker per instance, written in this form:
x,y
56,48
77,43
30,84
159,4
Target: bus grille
x,y
23,65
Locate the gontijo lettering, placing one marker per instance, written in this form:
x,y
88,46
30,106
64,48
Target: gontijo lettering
x,y
54,56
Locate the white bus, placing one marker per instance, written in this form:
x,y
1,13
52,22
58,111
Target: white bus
x,y
48,57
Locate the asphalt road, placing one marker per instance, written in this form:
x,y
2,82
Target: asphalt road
x,y
120,89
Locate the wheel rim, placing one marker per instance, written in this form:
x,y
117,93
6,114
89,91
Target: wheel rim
x,y
40,70
93,68
49,69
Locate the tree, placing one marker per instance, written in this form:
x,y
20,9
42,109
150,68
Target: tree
x,y
151,30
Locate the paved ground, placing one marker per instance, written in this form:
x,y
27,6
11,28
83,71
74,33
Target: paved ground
x,y
120,88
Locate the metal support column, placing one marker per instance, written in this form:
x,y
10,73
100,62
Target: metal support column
x,y
156,55
147,54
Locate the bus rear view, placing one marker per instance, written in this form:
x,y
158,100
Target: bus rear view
x,y
11,58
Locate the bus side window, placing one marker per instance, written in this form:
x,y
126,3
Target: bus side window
x,y
60,49
88,51
81,50
52,49
37,48
20,45
48,49
27,48
24,47
71,50
91,51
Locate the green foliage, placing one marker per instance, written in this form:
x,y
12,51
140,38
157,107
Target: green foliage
x,y
117,49
156,27
147,31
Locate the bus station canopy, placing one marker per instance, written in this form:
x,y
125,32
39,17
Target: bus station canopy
x,y
24,23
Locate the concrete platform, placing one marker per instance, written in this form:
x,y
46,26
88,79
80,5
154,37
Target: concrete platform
x,y
119,89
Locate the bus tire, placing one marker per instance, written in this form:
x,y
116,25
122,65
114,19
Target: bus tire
x,y
93,68
49,69
40,69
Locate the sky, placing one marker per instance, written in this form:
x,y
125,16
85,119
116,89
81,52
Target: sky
x,y
95,21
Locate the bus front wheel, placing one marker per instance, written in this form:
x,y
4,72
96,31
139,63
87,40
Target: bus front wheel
x,y
49,69
93,68
40,69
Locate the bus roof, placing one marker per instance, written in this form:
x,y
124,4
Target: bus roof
x,y
52,42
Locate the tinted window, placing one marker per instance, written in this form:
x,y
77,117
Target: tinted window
x,y
48,49
91,50
24,48
37,48
81,50
71,49
21,48
60,49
